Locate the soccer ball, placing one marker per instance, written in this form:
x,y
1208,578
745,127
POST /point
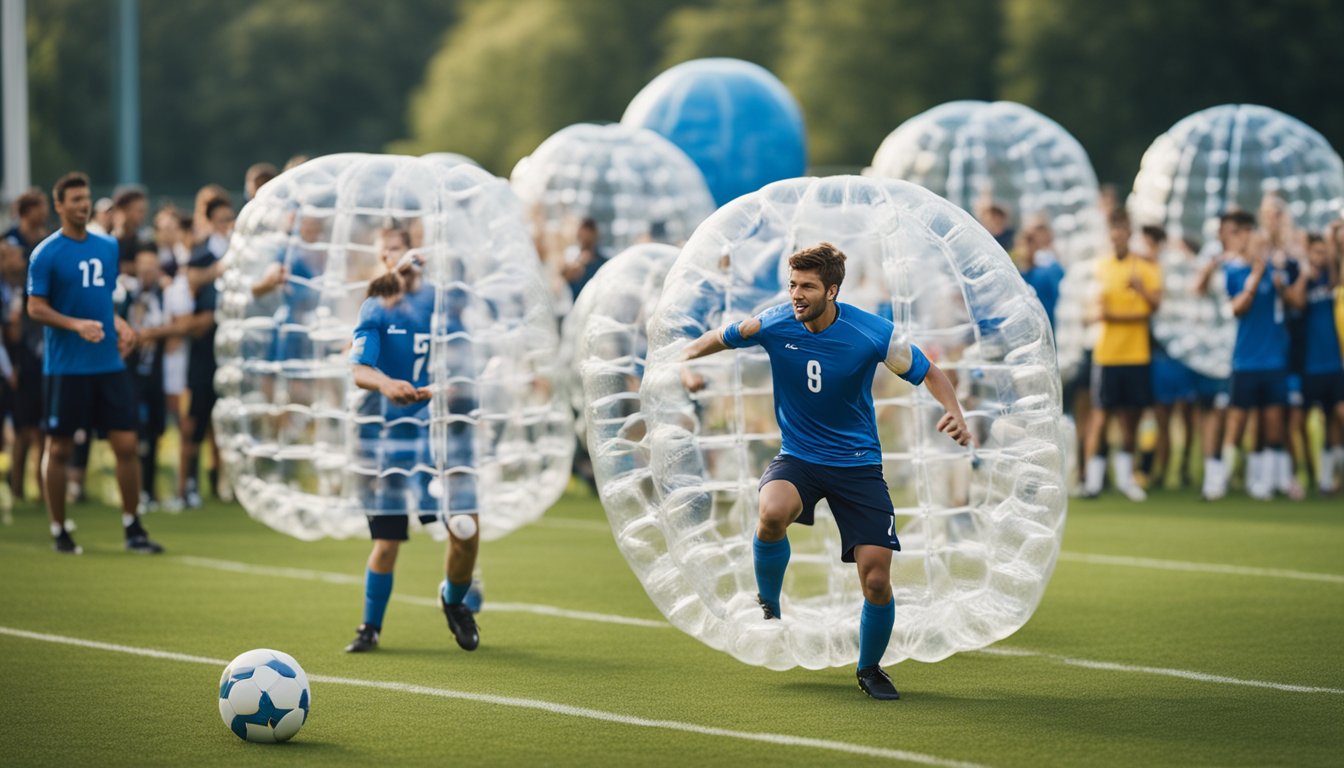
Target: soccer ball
x,y
263,696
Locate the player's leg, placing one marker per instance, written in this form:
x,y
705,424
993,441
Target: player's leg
x,y
876,620
1187,412
1279,467
67,407
1332,456
115,414
459,564
1124,458
780,504
1094,473
1157,473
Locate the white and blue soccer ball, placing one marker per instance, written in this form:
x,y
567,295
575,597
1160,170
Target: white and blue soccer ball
x,y
264,696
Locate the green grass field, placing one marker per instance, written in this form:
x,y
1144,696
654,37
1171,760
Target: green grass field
x,y
1100,676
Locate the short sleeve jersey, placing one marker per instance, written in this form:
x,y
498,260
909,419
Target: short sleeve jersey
x,y
1125,342
77,277
1322,338
396,341
823,382
1262,337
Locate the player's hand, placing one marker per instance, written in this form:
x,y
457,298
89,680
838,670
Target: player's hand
x,y
423,393
954,426
90,330
401,392
273,279
1136,283
692,381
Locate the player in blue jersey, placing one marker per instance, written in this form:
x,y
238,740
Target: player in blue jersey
x,y
1259,292
823,355
1323,380
390,356
71,279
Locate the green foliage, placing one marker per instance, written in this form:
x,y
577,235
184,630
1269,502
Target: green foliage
x,y
741,29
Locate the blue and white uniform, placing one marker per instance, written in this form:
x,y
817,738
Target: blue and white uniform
x,y
1260,353
1323,382
824,405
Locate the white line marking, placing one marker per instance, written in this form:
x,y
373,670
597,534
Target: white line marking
x,y
1180,565
780,739
345,578
1184,674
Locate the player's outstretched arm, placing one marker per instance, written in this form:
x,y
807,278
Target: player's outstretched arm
x,y
396,390
709,343
953,423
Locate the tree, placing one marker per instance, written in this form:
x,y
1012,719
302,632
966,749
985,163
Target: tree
x,y
741,29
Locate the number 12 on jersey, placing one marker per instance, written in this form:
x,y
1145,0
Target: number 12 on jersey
x,y
814,375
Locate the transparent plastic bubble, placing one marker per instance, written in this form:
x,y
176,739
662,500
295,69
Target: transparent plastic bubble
x,y
633,183
606,345
735,119
310,454
980,533
971,152
1205,165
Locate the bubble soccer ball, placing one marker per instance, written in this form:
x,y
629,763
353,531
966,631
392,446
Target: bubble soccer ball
x,y
1206,164
289,416
974,151
264,696
633,183
735,119
679,479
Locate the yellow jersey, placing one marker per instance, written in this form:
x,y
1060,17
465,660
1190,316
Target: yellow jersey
x,y
1339,316
1125,342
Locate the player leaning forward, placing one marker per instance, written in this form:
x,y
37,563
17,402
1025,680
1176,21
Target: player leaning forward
x,y
71,279
823,355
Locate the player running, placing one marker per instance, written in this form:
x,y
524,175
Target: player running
x,y
390,356
71,280
823,355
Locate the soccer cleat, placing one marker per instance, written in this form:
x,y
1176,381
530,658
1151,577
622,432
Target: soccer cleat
x,y
461,623
769,612
366,639
65,545
1133,492
874,682
137,540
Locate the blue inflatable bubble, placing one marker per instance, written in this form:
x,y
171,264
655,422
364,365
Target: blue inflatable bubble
x,y
736,120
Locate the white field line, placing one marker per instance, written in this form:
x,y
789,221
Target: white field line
x,y
1184,674
1181,565
777,739
345,578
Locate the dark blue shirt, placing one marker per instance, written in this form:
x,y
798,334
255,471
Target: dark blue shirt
x,y
1262,337
395,340
1322,336
77,277
823,382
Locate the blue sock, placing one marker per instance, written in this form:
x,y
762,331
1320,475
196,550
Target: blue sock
x,y
454,593
377,589
771,557
875,631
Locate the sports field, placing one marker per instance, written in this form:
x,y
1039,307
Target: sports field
x,y
1173,633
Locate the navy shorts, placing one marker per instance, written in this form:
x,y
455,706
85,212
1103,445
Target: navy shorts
x,y
94,402
1259,389
1117,387
1211,392
1323,389
858,497
1173,382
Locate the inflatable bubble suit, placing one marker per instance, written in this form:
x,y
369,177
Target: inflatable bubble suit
x,y
679,478
974,151
633,183
605,344
736,120
301,443
1206,164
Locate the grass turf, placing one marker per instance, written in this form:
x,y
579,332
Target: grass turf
x,y
66,705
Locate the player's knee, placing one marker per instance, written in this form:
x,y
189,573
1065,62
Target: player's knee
x,y
876,585
384,555
60,449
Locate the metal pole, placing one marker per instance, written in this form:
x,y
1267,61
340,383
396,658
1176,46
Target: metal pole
x,y
128,92
14,66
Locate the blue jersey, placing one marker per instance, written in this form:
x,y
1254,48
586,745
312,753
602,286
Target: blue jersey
x,y
77,277
1262,336
1044,279
1322,336
824,382
395,340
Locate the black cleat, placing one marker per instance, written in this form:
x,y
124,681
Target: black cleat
x,y
65,545
366,639
769,612
874,682
137,540
461,623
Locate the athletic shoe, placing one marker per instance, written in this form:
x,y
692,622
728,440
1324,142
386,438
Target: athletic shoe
x,y
461,623
174,505
65,545
766,609
137,540
874,682
192,500
366,639
1133,492
147,503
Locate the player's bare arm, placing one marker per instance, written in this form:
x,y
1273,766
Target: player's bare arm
x,y
709,343
899,358
396,390
41,311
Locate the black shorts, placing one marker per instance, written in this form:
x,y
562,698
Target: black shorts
x,y
1117,387
859,499
28,400
95,402
1323,389
202,406
1259,389
394,527
152,405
